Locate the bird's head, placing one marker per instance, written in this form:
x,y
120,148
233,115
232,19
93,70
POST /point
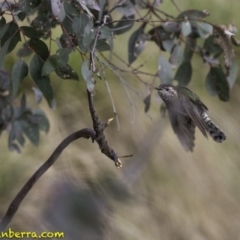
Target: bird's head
x,y
166,91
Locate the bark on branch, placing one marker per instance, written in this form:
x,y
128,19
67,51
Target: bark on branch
x,y
97,134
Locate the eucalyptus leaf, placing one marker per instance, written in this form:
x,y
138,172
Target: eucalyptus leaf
x,y
147,103
233,73
124,25
177,55
216,81
137,43
31,32
186,28
43,82
19,72
165,72
39,47
184,73
58,10
204,29
87,75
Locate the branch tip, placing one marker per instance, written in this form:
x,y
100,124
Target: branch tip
x,y
118,163
109,121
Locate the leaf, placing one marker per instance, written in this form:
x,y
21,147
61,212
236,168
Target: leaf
x,y
88,35
124,24
177,55
105,33
42,24
87,75
127,9
55,61
4,51
10,31
58,10
189,48
159,34
19,72
43,82
38,95
31,32
28,5
136,43
147,102
85,8
93,5
39,47
24,51
42,122
79,24
193,14
204,29
101,46
66,72
233,73
3,28
211,47
22,16
31,130
168,45
165,72
186,28
210,84
184,73
171,27
216,81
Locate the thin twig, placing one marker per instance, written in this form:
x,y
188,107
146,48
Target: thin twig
x,y
109,92
176,6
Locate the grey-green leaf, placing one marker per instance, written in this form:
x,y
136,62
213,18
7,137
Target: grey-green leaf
x,y
204,29
184,73
136,43
43,82
186,28
58,10
177,55
165,72
87,75
210,84
147,102
43,122
233,72
31,130
219,83
19,72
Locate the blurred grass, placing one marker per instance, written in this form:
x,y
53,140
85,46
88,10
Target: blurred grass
x,y
162,192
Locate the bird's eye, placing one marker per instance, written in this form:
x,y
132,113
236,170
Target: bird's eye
x,y
167,89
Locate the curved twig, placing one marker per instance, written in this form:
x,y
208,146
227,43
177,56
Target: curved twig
x,y
97,134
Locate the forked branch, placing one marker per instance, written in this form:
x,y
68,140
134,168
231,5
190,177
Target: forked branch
x,y
97,134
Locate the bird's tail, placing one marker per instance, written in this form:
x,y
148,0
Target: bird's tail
x,y
216,133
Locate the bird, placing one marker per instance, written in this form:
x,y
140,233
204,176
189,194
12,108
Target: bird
x,y
186,111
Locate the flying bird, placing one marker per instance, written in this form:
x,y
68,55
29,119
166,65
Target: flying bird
x,y
186,111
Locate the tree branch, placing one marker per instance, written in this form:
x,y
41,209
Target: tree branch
x,y
97,134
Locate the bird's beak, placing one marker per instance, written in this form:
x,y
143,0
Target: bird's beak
x,y
157,88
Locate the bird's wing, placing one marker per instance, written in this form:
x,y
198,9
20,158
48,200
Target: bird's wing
x,y
194,111
184,128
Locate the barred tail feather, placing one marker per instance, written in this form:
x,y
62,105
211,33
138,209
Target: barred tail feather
x,y
216,133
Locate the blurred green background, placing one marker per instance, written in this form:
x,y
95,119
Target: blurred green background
x,y
162,192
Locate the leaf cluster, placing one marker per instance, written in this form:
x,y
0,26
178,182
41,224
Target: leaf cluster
x,y
89,27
